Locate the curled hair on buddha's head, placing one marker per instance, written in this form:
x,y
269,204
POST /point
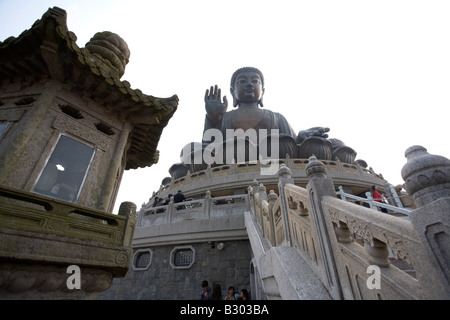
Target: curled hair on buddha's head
x,y
241,70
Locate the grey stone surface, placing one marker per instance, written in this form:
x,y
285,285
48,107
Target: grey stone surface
x,y
227,267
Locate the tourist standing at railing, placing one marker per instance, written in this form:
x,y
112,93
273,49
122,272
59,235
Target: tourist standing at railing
x,y
168,199
159,204
378,197
156,202
179,197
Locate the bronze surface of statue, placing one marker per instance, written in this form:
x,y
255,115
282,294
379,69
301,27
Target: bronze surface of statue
x,y
247,90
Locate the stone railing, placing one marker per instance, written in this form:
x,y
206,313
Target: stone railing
x,y
358,252
41,237
211,174
208,207
372,203
37,213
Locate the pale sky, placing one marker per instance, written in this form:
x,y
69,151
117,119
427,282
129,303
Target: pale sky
x,y
377,73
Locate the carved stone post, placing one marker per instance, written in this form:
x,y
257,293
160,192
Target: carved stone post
x,y
394,195
233,166
170,210
207,204
128,210
319,186
427,180
262,196
343,234
188,177
378,252
254,187
272,198
284,177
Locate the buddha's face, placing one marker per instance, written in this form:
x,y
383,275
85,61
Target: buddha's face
x,y
248,88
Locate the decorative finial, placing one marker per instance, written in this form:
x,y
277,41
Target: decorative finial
x,y
111,49
427,176
315,167
272,196
284,171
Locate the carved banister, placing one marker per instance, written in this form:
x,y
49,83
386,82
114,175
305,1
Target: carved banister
x,y
59,206
370,225
19,207
381,232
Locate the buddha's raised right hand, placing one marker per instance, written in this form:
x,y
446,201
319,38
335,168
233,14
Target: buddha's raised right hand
x,y
214,106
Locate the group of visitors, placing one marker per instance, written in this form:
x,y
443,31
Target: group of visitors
x,y
216,293
179,197
160,201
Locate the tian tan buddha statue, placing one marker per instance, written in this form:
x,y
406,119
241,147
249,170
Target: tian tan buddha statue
x,y
247,90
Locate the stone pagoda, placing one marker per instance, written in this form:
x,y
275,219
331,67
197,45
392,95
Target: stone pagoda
x,y
69,127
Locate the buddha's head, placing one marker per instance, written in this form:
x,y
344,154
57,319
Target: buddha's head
x,y
247,86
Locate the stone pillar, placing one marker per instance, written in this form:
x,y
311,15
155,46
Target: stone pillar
x,y
128,210
207,204
170,210
284,177
319,186
28,126
115,164
272,198
427,180
262,196
395,200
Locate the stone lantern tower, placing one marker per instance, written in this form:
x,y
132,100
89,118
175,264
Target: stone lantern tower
x,y
69,127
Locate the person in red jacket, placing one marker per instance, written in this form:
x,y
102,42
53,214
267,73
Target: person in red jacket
x,y
378,197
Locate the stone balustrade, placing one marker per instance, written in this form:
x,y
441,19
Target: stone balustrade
x,y
42,236
205,208
372,203
239,175
346,244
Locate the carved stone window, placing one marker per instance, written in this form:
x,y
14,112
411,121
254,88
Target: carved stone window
x,y
104,128
65,172
182,257
71,111
142,259
25,101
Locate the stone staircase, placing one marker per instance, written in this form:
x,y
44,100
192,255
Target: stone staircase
x,y
283,274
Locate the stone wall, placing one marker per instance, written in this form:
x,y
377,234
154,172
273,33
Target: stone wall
x,y
229,266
